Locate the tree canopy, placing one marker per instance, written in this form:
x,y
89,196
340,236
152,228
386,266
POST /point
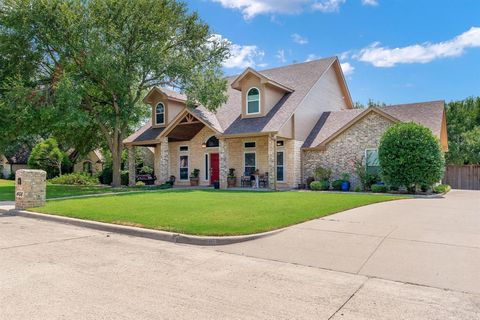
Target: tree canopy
x,y
463,127
82,67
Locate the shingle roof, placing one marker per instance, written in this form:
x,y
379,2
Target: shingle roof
x,y
429,114
300,77
20,156
146,133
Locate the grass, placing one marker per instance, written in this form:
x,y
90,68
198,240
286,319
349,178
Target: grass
x,y
210,212
7,190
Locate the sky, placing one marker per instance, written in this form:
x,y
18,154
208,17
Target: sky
x,y
392,51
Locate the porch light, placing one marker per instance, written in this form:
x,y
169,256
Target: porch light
x,y
204,145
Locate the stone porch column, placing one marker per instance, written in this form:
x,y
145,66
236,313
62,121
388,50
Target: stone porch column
x,y
223,162
272,146
164,172
132,169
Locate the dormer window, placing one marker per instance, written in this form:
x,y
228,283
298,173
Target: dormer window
x,y
160,114
253,101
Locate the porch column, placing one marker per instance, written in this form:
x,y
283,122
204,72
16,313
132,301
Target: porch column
x,y
132,169
272,145
164,172
223,162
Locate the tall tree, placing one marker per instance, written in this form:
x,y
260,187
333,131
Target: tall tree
x,y
92,61
463,127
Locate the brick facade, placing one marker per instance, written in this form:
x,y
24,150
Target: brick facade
x,y
349,146
30,189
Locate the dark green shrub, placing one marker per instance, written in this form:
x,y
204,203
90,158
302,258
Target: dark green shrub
x,y
106,176
377,188
410,155
79,179
337,185
124,178
366,178
442,188
324,185
309,181
357,189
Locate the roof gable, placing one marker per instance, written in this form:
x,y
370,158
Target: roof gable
x,y
263,79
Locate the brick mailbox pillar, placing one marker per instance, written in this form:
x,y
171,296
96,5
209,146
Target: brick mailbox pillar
x,y
30,189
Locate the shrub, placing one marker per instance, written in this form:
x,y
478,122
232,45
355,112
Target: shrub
x,y
79,179
337,185
442,188
124,177
309,181
378,188
366,179
106,175
195,174
357,189
410,155
140,184
322,174
320,185
345,177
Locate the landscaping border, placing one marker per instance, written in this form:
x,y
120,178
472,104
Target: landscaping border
x,y
143,232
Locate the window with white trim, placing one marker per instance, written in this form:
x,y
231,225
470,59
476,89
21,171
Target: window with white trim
x,y
160,113
372,164
207,171
250,144
250,163
253,101
183,163
280,166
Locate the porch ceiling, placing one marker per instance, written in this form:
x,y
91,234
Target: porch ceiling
x,y
185,131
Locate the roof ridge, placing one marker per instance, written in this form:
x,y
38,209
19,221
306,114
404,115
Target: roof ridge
x,y
412,103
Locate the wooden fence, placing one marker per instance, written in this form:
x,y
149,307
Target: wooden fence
x,y
463,177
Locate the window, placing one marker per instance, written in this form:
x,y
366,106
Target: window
x,y
250,163
160,114
250,144
184,167
183,148
371,161
280,165
280,143
212,142
253,101
206,167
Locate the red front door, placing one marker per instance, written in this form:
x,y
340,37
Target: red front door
x,y
214,168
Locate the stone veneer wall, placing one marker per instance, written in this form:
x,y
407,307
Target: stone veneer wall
x,y
349,146
30,188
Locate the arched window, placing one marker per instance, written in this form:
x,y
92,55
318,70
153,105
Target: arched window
x,y
212,142
160,114
253,101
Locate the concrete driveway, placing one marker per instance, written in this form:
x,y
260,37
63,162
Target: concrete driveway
x,y
56,271
432,242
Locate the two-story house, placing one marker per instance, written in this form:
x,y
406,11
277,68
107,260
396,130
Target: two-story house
x,y
281,123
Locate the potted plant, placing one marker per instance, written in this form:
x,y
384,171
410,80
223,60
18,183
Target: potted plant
x,y
194,177
231,178
345,182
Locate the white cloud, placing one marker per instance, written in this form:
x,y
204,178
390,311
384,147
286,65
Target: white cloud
x,y
347,68
299,39
328,5
252,8
281,56
241,56
311,57
420,53
370,2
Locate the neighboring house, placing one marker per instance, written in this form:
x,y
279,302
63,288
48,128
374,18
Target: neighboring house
x,y
283,122
10,164
92,163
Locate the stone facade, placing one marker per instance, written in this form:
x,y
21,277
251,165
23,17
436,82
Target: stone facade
x,y
131,166
30,189
341,153
164,161
223,165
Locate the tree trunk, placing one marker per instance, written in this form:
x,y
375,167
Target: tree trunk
x,y
117,161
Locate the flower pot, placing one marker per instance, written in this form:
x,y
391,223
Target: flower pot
x,y
194,182
231,182
345,185
216,185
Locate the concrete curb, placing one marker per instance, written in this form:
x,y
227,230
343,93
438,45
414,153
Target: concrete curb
x,y
144,233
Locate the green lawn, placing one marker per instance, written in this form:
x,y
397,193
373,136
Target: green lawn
x,y
7,190
210,212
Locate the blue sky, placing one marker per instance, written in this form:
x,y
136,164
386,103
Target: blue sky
x,y
394,51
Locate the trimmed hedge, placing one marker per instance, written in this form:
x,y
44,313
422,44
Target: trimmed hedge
x,y
377,188
410,155
78,179
320,185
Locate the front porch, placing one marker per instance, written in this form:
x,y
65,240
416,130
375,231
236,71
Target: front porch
x,y
190,144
